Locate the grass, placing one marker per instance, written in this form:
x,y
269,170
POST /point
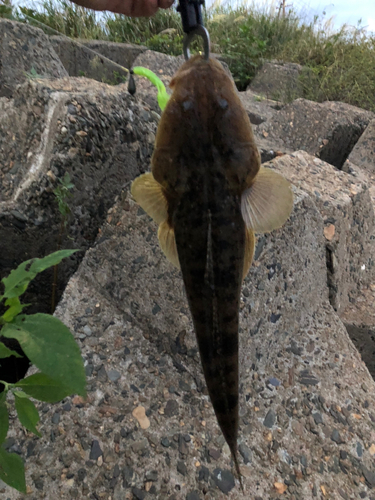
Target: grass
x,y
65,17
341,64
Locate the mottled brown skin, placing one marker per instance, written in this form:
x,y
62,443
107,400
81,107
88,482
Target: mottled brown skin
x,y
204,158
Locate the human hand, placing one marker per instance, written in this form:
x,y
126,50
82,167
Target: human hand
x,y
132,8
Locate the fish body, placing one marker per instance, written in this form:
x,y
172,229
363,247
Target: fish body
x,y
209,195
210,239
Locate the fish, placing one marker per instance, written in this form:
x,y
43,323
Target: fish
x,y
209,195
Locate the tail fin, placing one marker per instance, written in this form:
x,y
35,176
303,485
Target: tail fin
x,y
237,467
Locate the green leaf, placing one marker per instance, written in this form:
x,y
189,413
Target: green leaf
x,y
53,259
18,280
15,307
50,346
66,181
4,418
21,394
5,352
43,388
12,470
27,414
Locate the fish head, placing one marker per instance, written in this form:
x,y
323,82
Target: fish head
x,y
204,123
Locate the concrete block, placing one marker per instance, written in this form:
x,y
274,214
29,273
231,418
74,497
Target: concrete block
x,y
359,319
278,81
98,134
328,130
82,59
25,51
302,383
363,153
346,207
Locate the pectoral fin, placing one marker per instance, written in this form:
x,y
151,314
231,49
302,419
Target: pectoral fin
x,y
249,251
167,243
149,194
267,203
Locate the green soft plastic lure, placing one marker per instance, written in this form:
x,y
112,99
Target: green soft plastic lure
x,y
163,97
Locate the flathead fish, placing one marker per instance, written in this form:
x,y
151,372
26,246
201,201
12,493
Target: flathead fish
x,y
209,195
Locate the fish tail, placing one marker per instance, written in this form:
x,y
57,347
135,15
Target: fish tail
x,y
237,467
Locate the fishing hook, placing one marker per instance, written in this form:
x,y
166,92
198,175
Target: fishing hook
x,y
192,25
201,31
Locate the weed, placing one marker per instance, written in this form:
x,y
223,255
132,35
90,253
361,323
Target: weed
x,y
167,43
62,194
65,17
116,79
6,9
32,74
141,30
50,346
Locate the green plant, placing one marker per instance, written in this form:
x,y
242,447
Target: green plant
x,y
62,194
116,79
167,43
248,35
65,17
32,74
342,67
49,345
140,30
6,9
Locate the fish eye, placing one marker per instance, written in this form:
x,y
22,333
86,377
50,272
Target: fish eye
x,y
223,103
187,105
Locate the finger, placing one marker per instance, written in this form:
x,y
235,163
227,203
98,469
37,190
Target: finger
x,y
132,8
141,8
144,8
165,4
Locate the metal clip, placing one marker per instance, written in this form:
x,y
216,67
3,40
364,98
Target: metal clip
x,y
192,24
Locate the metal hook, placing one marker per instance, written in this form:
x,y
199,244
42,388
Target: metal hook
x,y
200,31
